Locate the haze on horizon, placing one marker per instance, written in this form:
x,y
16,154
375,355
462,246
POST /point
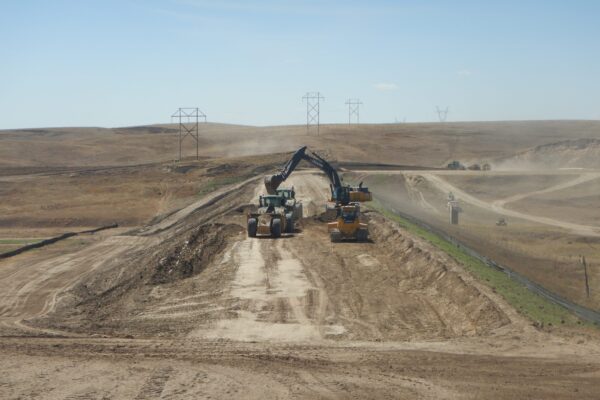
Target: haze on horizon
x,y
120,63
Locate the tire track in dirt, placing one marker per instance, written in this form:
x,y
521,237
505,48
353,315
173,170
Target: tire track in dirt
x,y
155,384
268,290
445,186
586,177
31,289
272,297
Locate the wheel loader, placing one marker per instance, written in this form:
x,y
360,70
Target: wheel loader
x,y
291,204
271,219
347,225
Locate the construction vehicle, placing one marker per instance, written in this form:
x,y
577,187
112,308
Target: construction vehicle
x,y
501,222
271,219
360,193
345,200
340,194
456,165
291,204
347,225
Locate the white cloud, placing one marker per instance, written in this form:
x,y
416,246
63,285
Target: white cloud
x,y
385,86
465,72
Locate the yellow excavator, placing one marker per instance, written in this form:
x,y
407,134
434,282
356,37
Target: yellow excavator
x,y
345,199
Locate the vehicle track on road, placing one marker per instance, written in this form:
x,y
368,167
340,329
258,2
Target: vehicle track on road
x,y
498,206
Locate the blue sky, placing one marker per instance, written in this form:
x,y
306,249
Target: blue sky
x,y
116,63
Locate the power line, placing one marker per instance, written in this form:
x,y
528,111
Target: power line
x,y
353,109
188,125
313,109
442,114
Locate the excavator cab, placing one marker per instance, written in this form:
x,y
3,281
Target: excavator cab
x,y
349,194
340,194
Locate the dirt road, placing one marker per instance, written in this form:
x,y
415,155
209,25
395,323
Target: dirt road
x,y
260,318
499,205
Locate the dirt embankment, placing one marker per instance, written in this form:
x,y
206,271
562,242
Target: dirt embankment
x,y
214,313
210,281
574,153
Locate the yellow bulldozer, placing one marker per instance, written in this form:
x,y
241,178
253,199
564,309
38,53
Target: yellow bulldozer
x,y
347,225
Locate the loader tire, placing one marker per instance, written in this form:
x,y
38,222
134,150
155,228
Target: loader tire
x,y
298,211
289,224
335,236
276,228
362,235
252,227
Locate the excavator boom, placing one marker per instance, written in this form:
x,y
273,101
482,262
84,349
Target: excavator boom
x,y
272,182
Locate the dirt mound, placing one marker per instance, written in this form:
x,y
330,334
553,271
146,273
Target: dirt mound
x,y
112,300
194,254
577,153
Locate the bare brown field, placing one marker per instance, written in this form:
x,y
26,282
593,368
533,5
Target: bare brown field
x,y
408,144
578,203
130,196
179,303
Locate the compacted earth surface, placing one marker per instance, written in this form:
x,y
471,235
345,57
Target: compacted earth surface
x,y
178,302
189,307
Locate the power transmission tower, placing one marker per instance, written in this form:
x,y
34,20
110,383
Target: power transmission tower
x,y
313,109
188,125
353,109
442,114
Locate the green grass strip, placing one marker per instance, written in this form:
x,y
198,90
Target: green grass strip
x,y
530,304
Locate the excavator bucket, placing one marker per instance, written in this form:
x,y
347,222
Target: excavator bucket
x,y
272,182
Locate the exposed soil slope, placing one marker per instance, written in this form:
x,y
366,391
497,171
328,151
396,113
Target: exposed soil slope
x,y
190,307
576,153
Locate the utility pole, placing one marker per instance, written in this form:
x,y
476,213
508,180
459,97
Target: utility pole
x,y
313,110
188,125
353,110
442,114
585,270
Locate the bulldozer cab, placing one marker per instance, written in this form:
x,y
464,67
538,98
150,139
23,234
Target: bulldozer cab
x,y
349,213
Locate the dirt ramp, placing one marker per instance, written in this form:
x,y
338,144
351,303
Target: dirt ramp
x,y
395,288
